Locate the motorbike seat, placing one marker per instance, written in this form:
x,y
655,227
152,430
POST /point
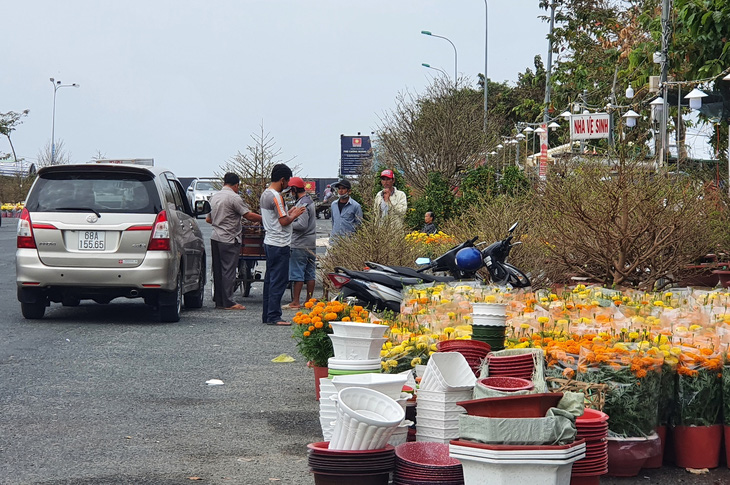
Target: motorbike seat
x,y
392,281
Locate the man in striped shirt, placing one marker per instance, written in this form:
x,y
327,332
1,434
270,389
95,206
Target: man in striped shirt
x,y
277,241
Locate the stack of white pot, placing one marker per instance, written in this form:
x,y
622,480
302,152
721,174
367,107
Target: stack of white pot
x,y
357,351
446,380
366,419
390,385
357,348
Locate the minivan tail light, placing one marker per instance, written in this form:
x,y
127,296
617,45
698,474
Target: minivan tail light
x,y
160,239
26,240
338,280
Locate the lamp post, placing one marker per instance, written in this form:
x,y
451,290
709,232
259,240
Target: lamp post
x,y
429,66
56,86
456,70
486,57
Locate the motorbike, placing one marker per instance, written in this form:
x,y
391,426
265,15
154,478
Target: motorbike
x,y
380,286
500,271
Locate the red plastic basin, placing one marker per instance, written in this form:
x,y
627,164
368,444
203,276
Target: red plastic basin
x,y
523,406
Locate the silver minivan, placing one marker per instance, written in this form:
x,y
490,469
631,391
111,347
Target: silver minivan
x,y
103,231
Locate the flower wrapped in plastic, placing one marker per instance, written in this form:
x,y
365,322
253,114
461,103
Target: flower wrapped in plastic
x,y
699,387
633,377
312,328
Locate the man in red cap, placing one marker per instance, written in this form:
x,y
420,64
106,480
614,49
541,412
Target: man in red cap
x,y
390,203
303,245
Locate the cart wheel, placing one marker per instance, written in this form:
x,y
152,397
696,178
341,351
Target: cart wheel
x,y
245,273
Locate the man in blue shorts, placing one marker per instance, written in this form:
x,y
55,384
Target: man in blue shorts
x,y
303,245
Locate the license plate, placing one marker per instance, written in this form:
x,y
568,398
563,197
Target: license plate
x,y
91,240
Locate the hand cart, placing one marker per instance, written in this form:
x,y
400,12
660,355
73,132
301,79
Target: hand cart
x,y
252,251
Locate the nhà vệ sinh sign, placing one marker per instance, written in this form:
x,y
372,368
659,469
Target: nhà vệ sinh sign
x,y
590,126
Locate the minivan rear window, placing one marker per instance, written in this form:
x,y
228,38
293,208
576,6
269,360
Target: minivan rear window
x,y
111,192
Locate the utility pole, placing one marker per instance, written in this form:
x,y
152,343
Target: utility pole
x,y
663,142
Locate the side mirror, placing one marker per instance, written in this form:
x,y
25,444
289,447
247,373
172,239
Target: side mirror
x,y
202,207
190,189
423,261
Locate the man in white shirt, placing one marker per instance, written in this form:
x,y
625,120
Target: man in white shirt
x,y
390,203
277,241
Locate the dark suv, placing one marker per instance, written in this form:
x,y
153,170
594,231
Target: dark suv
x,y
103,231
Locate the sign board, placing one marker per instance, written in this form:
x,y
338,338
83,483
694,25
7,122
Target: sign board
x,y
353,151
590,126
149,162
542,173
310,185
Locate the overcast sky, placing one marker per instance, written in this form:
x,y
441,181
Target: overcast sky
x,y
187,82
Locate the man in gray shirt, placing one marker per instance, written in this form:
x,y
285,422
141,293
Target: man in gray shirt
x,y
346,212
302,262
227,208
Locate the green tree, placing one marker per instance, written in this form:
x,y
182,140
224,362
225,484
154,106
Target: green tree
x,y
8,123
254,167
437,198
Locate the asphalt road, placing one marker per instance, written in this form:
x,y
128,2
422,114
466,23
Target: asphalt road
x,y
106,395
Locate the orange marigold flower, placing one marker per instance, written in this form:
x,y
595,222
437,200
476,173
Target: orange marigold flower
x,y
306,333
311,328
309,304
423,300
318,325
346,319
330,316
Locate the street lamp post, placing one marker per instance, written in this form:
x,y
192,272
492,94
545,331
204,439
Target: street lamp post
x,y
429,66
486,44
56,86
456,55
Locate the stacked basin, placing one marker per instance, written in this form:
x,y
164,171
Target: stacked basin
x,y
357,351
521,366
336,467
357,348
592,428
509,464
473,351
426,463
446,380
499,464
389,384
489,322
366,419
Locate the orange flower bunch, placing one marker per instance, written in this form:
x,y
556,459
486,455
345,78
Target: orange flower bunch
x,y
619,357
694,360
312,327
321,312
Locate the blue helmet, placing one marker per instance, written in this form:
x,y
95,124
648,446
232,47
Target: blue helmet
x,y
469,259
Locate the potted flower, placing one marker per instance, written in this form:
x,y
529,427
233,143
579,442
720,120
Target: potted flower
x,y
697,430
312,331
633,377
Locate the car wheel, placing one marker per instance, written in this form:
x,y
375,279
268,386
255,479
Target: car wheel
x,y
33,311
170,310
194,299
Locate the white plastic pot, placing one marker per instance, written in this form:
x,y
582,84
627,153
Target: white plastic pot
x,y
357,329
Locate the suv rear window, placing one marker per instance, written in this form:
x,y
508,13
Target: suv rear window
x,y
205,185
111,192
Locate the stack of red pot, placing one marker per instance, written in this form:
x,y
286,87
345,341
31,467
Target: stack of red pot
x,y
593,428
426,463
473,351
521,366
360,467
